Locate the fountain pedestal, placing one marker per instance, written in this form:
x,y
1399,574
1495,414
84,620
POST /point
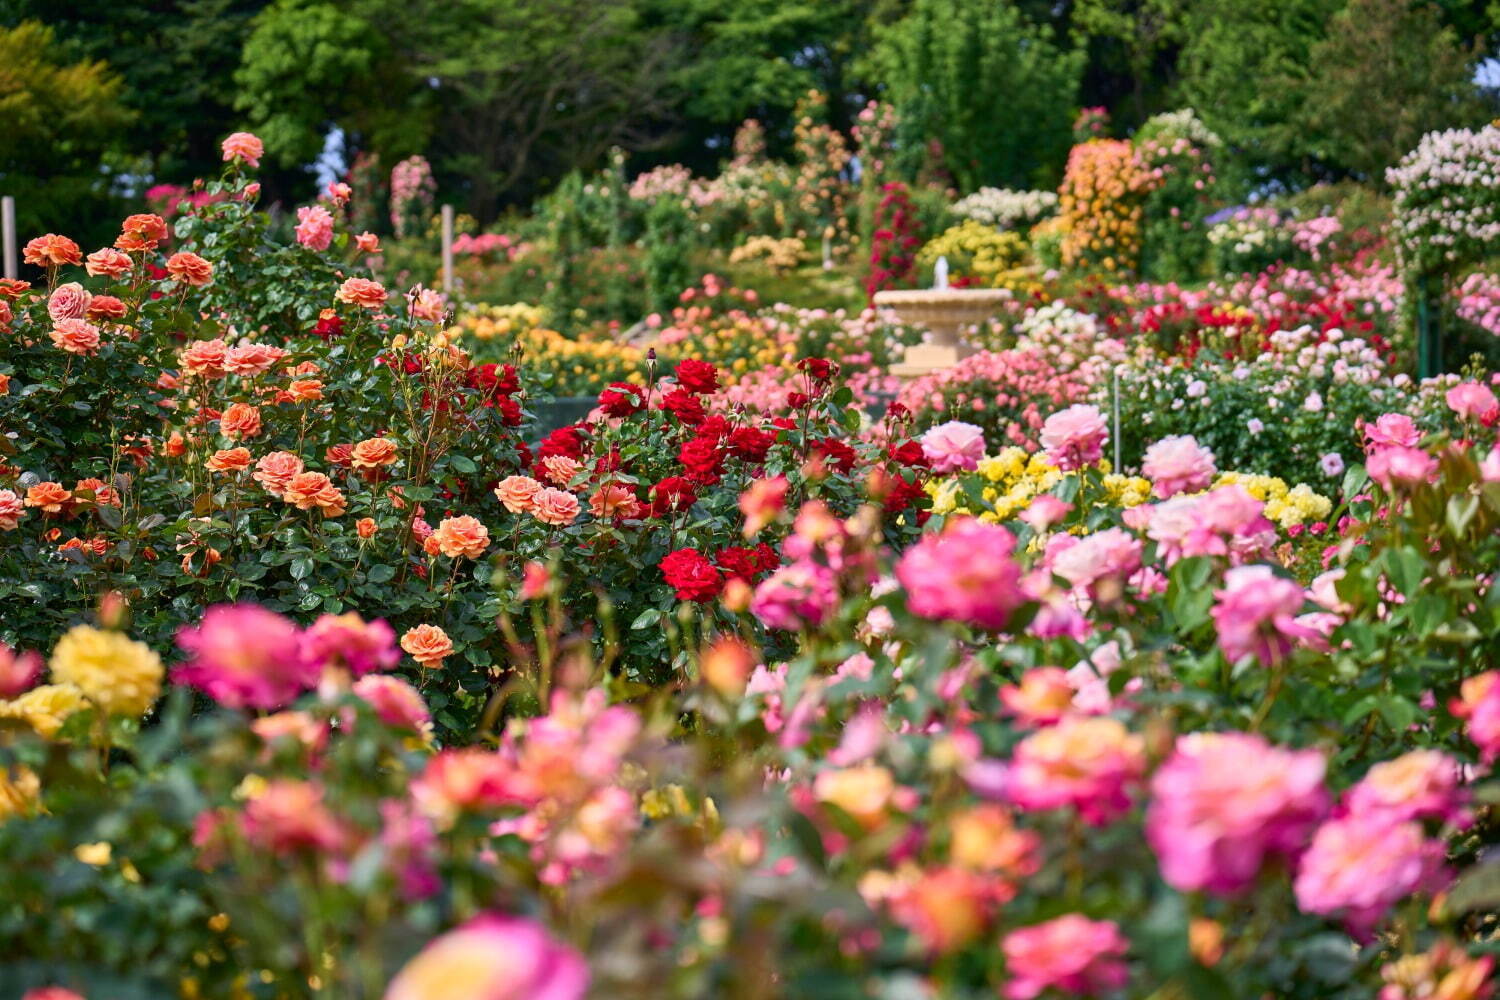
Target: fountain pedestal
x,y
946,312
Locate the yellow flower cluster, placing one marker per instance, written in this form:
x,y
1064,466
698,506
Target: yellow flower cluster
x,y
780,256
982,252
1101,205
1288,506
489,322
580,366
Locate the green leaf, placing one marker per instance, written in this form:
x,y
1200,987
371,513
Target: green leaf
x,y
645,619
301,566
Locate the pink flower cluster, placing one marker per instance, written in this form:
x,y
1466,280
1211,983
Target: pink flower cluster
x,y
1256,614
1071,954
1178,464
966,574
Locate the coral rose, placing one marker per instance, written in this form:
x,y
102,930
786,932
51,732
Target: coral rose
x,y
239,421
305,390
190,269
461,536
105,307
230,460
107,263
252,359
427,644
51,250
372,453
555,507
307,490
275,471
362,292
365,527
518,493
367,243
76,336
243,147
68,301
141,232
204,358
616,501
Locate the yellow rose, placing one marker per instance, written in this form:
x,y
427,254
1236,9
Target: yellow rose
x,y
120,675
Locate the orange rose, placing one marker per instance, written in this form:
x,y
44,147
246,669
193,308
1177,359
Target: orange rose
x,y
175,445
305,390
240,420
190,269
427,644
461,536
307,490
141,232
76,336
431,547
11,288
372,453
51,250
518,493
229,460
107,263
365,527
362,292
69,301
204,358
104,495
4,384
367,243
275,471
252,359
614,500
555,507
49,497
106,307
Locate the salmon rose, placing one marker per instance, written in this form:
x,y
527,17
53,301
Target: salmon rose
x,y
107,263
240,421
518,493
252,359
141,232
275,471
313,489
614,500
427,644
243,147
362,292
305,390
105,307
229,460
204,358
190,269
76,336
51,250
69,301
461,536
365,527
372,453
555,507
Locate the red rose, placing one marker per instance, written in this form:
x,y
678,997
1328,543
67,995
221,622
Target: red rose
x,y
697,377
713,426
818,368
797,400
738,562
672,494
835,453
910,454
702,460
510,411
751,444
621,399
563,441
684,406
784,423
493,380
691,575
902,494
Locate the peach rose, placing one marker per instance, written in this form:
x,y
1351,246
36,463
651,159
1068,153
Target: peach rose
x,y
367,243
614,500
190,269
307,490
76,336
229,460
252,359
425,303
204,358
365,527
362,292
107,263
427,644
49,497
69,301
51,250
305,390
141,232
275,471
518,493
430,545
461,536
240,421
105,307
372,453
243,147
555,507
560,469
12,509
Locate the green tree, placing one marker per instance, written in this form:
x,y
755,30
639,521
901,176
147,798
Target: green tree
x,y
993,87
59,118
1386,73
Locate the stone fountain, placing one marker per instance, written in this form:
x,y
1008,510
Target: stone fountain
x,y
944,311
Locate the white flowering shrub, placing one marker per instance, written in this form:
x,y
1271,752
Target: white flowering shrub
x,y
1447,204
1006,209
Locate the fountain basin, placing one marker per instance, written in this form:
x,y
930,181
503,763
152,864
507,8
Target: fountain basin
x,y
946,312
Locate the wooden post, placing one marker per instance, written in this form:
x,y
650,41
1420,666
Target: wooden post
x,y
8,224
1116,394
448,249
1429,328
